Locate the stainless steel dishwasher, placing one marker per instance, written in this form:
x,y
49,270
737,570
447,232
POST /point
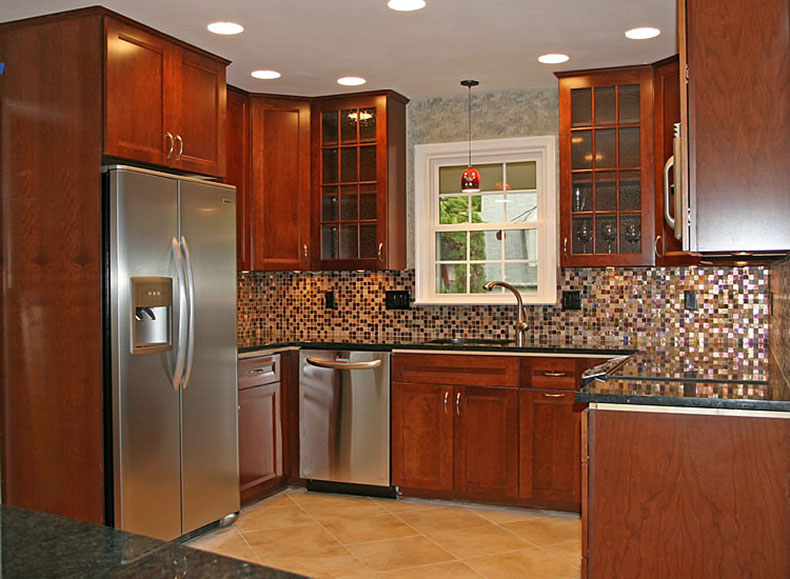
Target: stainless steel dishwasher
x,y
344,421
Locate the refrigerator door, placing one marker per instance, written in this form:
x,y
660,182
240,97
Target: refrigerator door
x,y
209,395
143,221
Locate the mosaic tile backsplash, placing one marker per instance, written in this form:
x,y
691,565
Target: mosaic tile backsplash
x,y
629,306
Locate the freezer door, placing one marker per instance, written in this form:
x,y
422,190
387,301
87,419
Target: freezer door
x,y
143,221
209,396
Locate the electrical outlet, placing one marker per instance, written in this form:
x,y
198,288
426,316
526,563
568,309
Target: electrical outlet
x,y
329,300
571,300
690,299
397,300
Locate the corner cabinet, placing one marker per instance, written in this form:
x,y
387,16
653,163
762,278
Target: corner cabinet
x,y
359,181
606,167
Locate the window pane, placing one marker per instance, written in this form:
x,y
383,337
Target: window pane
x,y
367,163
630,234
522,175
581,192
348,242
348,164
630,193
521,244
582,235
450,179
521,207
329,242
367,241
605,148
606,191
581,107
348,126
451,246
522,275
604,105
453,210
629,147
367,201
329,204
482,273
329,165
629,104
581,150
329,128
490,177
606,234
367,124
348,203
450,278
488,208
485,245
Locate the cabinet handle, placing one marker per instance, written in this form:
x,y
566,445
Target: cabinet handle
x,y
548,395
305,251
667,216
171,148
446,396
266,370
458,404
381,252
180,147
655,247
554,374
565,247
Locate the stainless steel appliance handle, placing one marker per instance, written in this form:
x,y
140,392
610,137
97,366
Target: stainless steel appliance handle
x,y
340,365
679,192
190,310
181,346
667,216
180,147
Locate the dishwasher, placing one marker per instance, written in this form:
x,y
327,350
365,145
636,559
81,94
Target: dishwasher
x,y
344,421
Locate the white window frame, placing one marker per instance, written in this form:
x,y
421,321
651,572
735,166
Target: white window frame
x,y
427,160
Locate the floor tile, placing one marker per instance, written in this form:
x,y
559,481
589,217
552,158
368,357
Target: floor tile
x,y
442,519
324,563
569,552
478,541
449,570
504,516
227,542
399,553
327,507
349,530
398,506
526,563
544,530
290,540
273,517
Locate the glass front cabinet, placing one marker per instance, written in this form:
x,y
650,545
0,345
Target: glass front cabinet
x,y
606,167
359,181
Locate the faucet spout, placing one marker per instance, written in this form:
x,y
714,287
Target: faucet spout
x,y
521,314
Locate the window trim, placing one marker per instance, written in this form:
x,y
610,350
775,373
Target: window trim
x,y
428,156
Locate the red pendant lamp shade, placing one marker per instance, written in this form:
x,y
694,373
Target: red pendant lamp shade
x,y
470,179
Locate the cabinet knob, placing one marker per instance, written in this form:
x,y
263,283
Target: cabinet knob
x,y
172,144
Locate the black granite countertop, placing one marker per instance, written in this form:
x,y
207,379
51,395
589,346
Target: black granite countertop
x,y
42,545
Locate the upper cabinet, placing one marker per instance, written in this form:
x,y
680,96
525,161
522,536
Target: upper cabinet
x,y
164,103
238,171
359,181
606,167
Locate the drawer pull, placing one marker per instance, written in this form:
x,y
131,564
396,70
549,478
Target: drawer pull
x,y
554,374
548,395
266,370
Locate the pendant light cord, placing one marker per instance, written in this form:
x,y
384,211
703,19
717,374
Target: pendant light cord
x,y
469,108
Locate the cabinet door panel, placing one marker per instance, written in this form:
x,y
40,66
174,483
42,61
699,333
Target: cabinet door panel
x,y
486,441
259,435
422,436
135,88
238,170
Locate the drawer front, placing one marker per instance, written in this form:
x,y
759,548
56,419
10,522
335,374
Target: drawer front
x,y
456,369
259,370
557,373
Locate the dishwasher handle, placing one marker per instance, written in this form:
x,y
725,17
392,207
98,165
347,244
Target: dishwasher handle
x,y
340,365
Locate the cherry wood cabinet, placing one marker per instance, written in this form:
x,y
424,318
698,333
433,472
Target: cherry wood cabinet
x,y
280,200
359,181
238,170
164,102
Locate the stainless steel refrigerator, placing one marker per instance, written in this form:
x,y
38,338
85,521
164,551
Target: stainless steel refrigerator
x,y
170,315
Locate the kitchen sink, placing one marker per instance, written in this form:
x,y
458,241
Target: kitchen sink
x,y
470,342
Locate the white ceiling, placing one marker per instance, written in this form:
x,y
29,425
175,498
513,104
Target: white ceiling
x,y
419,54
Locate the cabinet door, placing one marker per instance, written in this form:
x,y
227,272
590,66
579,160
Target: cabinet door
x,y
237,170
422,436
280,184
137,69
550,438
486,442
259,436
198,113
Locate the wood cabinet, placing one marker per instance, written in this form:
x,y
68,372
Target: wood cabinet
x,y
164,102
238,170
359,181
606,167
280,201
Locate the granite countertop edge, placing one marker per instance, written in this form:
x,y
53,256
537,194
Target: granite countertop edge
x,y
722,403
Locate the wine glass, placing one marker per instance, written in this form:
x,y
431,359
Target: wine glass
x,y
578,200
584,234
632,233
609,234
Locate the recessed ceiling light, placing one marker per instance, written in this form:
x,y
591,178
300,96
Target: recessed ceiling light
x,y
265,74
406,5
553,58
642,33
351,81
226,28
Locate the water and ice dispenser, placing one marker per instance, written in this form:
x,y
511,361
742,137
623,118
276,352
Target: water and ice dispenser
x,y
152,312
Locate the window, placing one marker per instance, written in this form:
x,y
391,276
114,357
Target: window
x,y
507,231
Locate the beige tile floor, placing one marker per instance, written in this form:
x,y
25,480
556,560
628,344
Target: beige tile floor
x,y
334,536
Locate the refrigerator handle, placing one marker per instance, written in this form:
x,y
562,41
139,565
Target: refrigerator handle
x,y
190,311
181,351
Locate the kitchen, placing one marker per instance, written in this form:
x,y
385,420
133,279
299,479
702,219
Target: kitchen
x,y
622,305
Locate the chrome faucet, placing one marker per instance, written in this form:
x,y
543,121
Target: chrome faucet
x,y
521,314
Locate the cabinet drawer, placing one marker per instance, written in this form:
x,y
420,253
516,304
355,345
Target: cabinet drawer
x,y
462,370
259,370
549,373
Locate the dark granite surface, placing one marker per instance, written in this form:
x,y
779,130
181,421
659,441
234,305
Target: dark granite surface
x,y
42,545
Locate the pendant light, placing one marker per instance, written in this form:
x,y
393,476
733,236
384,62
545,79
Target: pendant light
x,y
470,179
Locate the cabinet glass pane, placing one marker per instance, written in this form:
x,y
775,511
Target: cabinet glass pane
x,y
488,208
368,247
329,243
606,191
629,104
490,177
605,234
485,245
367,202
521,175
348,126
630,233
329,165
451,278
451,245
605,105
581,150
348,242
629,147
348,164
367,124
581,235
581,192
329,204
450,179
522,275
454,210
521,207
348,203
521,244
367,163
581,107
329,128
482,273
605,148
630,191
